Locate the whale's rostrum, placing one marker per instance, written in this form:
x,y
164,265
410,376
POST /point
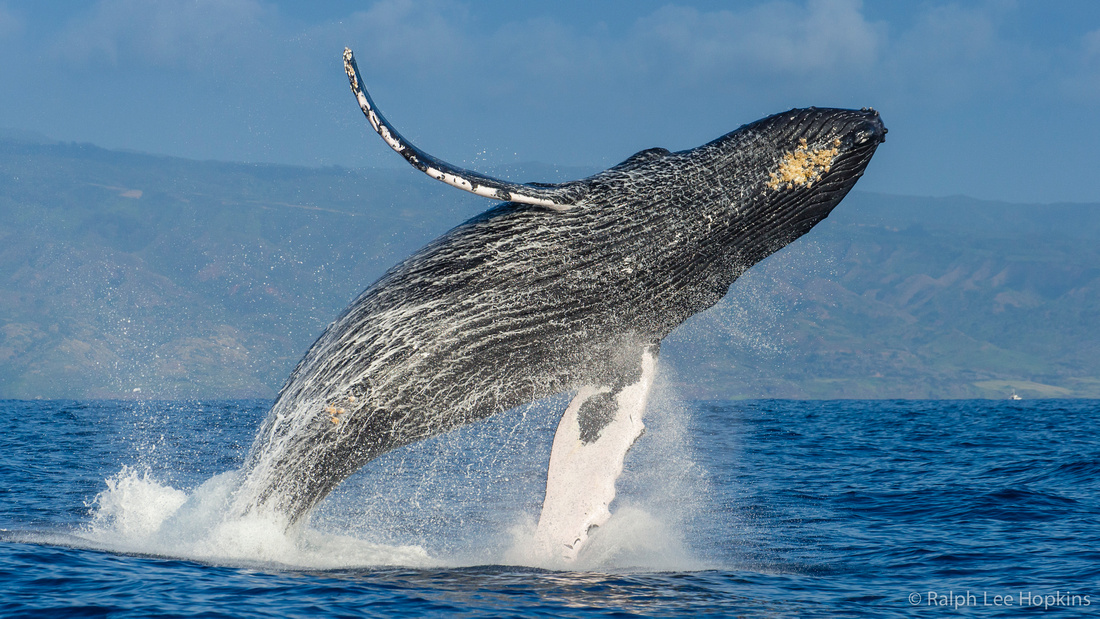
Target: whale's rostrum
x,y
566,287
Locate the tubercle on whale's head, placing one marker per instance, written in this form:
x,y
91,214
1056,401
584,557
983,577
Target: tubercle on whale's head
x,y
826,147
795,166
756,189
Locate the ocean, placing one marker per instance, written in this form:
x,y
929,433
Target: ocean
x,y
742,508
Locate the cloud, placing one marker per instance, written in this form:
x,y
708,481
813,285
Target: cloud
x,y
1082,79
10,23
954,34
539,81
421,34
449,65
777,46
164,33
547,63
937,55
948,54
775,39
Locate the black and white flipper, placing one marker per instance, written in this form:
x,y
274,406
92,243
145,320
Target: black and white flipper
x,y
556,197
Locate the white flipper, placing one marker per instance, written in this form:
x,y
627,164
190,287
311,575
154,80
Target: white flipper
x,y
580,483
555,197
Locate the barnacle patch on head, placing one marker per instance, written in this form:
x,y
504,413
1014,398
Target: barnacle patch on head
x,y
803,166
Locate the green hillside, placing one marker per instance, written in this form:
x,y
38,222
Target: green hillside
x,y
123,271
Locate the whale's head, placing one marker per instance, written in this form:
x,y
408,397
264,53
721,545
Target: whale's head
x,y
801,149
774,179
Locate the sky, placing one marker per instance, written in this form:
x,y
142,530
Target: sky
x,y
996,100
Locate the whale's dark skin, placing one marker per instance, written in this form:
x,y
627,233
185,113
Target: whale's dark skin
x,y
528,300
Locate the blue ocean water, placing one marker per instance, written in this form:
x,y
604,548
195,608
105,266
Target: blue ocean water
x,y
757,508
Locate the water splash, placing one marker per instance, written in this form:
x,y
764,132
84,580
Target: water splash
x,y
470,497
136,514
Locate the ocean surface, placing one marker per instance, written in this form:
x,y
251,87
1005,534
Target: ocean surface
x,y
753,508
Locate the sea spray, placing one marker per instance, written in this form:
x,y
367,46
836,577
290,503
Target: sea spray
x,y
138,515
465,498
660,496
134,506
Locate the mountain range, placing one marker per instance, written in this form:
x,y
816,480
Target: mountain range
x,y
132,275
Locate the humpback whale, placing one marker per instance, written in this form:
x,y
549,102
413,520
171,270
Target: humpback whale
x,y
560,288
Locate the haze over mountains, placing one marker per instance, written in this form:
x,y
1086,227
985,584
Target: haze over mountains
x,y
132,275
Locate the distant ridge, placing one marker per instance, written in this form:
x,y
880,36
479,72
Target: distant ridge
x,y
9,134
123,271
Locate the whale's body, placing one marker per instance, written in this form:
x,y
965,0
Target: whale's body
x,y
564,288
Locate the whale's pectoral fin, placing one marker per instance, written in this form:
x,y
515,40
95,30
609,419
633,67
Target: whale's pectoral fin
x,y
556,197
596,431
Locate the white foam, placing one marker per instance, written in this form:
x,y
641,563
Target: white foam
x,y
634,539
134,506
468,498
136,514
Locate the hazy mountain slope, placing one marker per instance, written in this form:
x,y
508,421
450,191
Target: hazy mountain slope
x,y
123,271
914,297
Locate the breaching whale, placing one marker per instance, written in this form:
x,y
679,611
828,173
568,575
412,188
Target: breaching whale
x,y
562,288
